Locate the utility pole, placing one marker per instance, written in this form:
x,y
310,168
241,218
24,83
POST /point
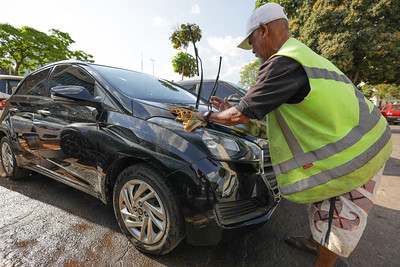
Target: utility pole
x,y
142,62
153,65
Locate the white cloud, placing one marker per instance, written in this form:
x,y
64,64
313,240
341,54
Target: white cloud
x,y
195,9
225,45
159,22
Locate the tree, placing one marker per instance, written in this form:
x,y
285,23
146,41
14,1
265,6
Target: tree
x,y
184,64
28,48
382,91
292,7
180,39
361,37
249,74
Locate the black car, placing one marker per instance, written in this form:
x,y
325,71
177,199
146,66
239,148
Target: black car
x,y
110,133
222,89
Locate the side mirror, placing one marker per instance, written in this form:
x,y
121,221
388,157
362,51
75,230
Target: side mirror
x,y
75,94
233,100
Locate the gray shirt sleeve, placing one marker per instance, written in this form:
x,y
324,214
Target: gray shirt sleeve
x,y
280,80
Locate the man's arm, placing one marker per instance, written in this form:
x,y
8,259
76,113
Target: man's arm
x,y
229,117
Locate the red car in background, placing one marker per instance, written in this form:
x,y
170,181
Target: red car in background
x,y
391,113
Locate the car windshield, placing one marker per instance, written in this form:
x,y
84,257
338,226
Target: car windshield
x,y
396,107
145,87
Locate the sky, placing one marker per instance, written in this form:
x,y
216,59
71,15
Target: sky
x,y
134,34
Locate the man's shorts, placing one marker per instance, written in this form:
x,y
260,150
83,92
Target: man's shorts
x,y
349,217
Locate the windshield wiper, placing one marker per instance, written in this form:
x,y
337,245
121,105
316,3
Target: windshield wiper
x,y
215,87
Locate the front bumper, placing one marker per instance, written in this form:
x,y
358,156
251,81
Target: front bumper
x,y
225,199
394,119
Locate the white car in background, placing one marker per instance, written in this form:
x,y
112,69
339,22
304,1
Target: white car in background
x,y
8,83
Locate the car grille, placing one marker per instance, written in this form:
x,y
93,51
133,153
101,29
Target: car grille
x,y
236,212
268,172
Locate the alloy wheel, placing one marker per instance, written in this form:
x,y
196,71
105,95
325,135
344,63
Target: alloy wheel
x,y
142,211
7,158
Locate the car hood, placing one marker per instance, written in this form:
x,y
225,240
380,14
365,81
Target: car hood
x,y
147,109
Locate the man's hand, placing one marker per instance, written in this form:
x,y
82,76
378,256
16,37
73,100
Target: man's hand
x,y
229,117
199,115
219,103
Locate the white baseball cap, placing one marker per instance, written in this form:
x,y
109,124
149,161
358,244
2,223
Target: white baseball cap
x,y
263,14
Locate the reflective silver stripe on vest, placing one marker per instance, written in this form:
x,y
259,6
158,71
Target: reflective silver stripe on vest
x,y
317,73
299,157
367,121
339,171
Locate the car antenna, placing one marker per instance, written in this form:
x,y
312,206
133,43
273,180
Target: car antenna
x,y
197,62
215,87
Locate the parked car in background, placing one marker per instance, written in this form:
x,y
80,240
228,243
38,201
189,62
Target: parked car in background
x,y
391,112
223,89
110,133
8,84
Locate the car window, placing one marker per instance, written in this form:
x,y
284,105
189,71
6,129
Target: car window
x,y
206,90
384,108
395,107
12,85
190,87
64,75
223,91
34,84
244,91
8,86
3,86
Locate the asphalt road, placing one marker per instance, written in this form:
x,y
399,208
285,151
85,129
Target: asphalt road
x,y
46,223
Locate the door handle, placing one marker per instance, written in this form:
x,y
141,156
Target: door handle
x,y
43,112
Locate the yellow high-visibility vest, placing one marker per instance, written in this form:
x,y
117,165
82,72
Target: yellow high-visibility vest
x,y
332,142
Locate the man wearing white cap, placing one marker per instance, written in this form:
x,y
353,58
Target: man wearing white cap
x,y
328,143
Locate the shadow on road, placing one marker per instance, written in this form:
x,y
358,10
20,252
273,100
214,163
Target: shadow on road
x,y
57,194
392,167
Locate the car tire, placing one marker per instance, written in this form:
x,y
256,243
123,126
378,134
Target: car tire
x,y
9,163
147,210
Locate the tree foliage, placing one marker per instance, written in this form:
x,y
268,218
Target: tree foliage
x,y
361,37
27,48
249,74
181,37
382,91
183,62
292,7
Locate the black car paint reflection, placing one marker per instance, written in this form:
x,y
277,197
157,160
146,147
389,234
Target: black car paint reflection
x,y
86,140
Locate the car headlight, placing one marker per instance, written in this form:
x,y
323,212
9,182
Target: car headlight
x,y
220,145
227,147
